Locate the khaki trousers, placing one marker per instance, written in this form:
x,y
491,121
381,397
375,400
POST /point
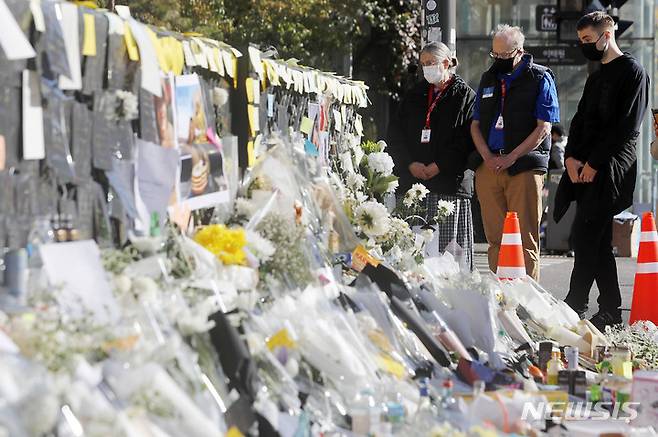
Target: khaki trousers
x,y
500,193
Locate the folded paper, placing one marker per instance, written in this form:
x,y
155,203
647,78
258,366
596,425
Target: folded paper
x,y
33,139
150,71
12,39
84,289
256,63
37,15
70,23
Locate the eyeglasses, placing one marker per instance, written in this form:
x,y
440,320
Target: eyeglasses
x,y
504,55
429,64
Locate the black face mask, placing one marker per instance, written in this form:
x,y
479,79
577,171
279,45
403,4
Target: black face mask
x,y
590,51
503,66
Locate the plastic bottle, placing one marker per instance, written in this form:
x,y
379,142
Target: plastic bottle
x,y
394,412
553,368
154,229
448,411
448,401
41,233
479,388
426,415
365,413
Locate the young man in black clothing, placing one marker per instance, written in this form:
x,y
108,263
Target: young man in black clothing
x,y
601,164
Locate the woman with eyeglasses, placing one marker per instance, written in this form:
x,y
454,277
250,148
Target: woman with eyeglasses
x,y
430,142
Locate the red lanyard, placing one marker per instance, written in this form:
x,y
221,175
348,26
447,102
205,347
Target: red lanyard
x,y
503,90
432,104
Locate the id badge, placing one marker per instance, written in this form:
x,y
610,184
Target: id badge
x,y
499,123
425,136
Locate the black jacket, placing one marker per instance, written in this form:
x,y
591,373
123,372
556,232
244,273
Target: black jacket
x,y
604,133
518,114
450,143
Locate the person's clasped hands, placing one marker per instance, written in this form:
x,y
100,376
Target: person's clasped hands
x,y
422,171
579,172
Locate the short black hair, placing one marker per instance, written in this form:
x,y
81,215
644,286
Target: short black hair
x,y
597,20
557,129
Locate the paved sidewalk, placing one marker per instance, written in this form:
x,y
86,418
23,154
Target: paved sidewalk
x,y
556,272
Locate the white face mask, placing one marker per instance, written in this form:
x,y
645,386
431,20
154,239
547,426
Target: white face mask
x,y
433,73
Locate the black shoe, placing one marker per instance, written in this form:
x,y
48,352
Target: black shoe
x,y
582,315
603,319
580,311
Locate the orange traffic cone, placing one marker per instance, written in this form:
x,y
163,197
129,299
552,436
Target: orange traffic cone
x,y
645,291
510,257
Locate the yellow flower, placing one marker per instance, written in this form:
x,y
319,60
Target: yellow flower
x,y
226,244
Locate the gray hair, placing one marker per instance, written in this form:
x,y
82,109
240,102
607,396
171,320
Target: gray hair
x,y
513,34
441,52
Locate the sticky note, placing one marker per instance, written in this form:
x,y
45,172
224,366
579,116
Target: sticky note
x,y
116,26
122,11
219,62
131,45
86,3
306,126
234,68
254,122
298,77
37,15
284,73
338,121
313,110
236,52
227,57
167,53
272,73
176,56
189,57
210,57
248,84
197,50
358,125
270,105
3,152
159,52
255,59
340,92
33,138
256,91
89,40
251,158
310,148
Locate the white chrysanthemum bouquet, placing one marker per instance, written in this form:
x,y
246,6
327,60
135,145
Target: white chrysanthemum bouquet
x,y
376,166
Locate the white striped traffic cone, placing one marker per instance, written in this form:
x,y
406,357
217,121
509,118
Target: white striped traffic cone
x,y
645,290
510,257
